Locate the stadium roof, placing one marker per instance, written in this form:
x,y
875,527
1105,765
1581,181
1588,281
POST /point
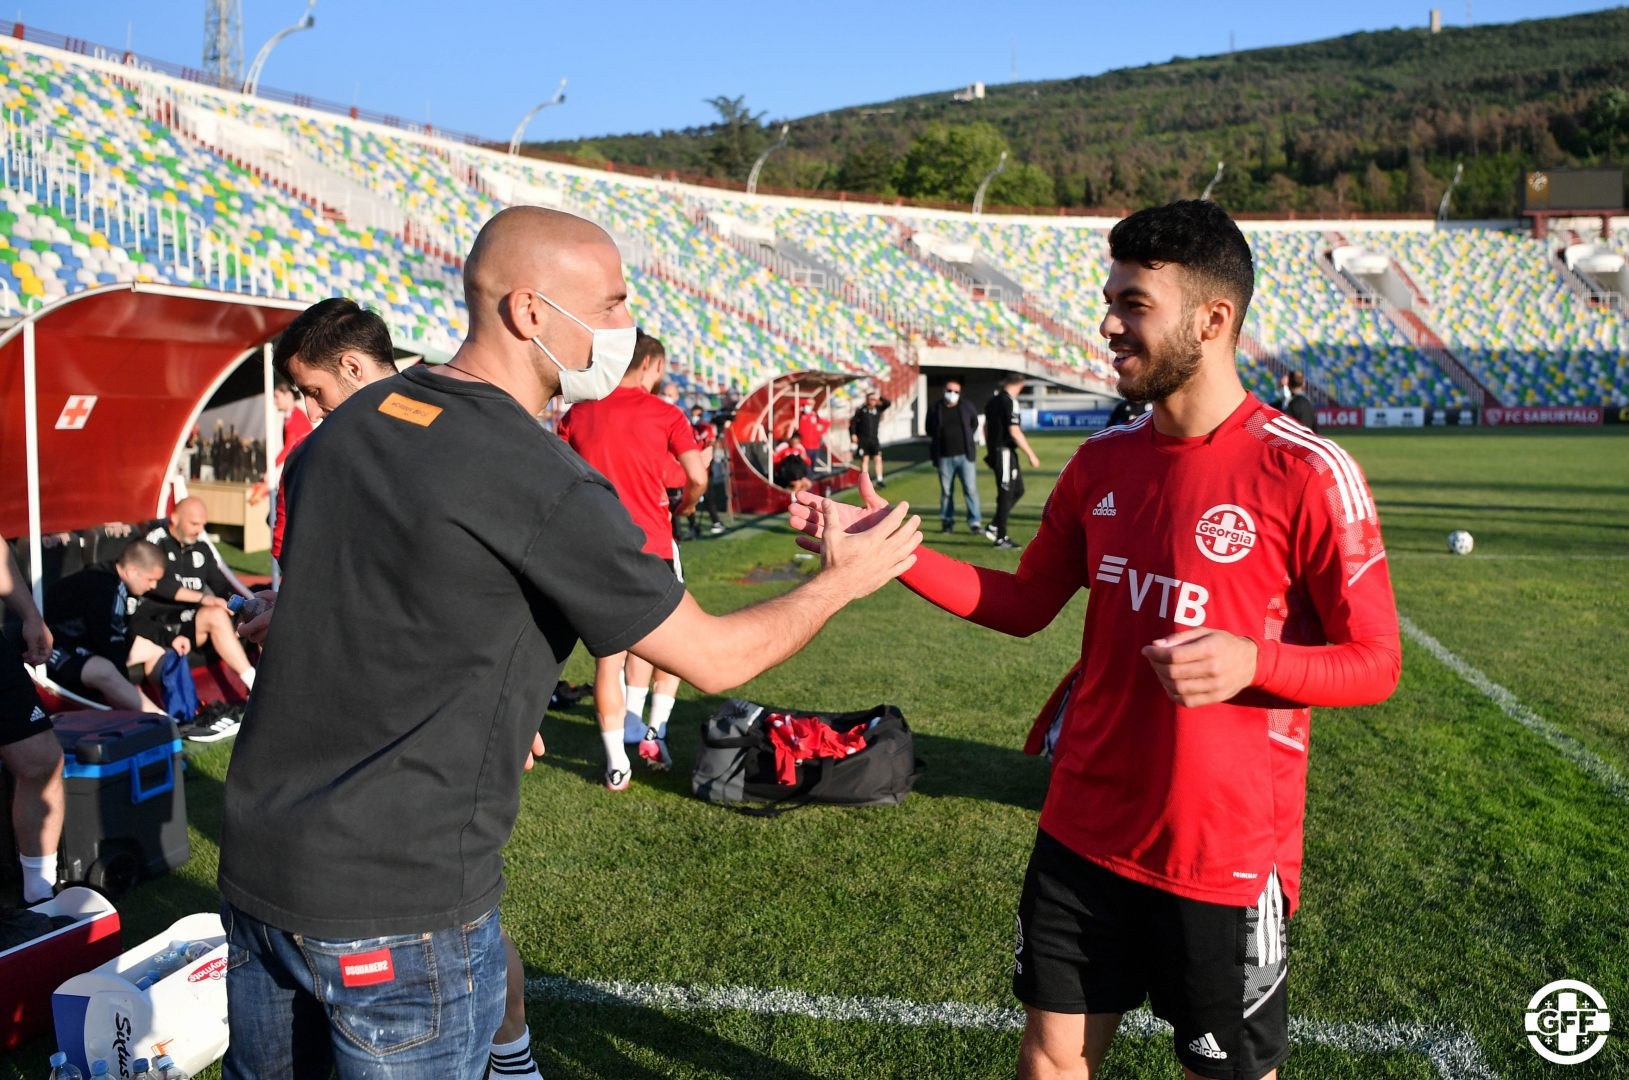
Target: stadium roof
x,y
119,376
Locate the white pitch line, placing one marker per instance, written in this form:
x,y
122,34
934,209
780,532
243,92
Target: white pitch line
x,y
1568,747
1452,1053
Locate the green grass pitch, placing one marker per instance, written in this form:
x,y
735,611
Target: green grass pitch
x,y
1455,861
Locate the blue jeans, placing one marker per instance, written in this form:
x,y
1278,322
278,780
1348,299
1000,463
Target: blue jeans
x,y
417,1005
950,468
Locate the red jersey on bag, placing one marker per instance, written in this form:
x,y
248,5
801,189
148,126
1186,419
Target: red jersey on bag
x,y
1260,528
632,437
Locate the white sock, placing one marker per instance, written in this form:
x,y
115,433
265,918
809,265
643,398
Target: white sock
x,y
616,754
39,876
513,1059
247,675
661,707
636,700
633,725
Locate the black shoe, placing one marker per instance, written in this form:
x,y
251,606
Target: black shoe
x,y
212,724
1004,542
946,526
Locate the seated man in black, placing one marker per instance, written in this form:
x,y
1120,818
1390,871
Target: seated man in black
x,y
792,465
190,600
88,613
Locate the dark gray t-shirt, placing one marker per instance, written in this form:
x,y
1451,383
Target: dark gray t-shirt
x,y
443,556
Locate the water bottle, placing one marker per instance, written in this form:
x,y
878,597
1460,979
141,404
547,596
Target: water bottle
x,y
172,957
198,950
139,1070
98,1068
61,1070
167,1067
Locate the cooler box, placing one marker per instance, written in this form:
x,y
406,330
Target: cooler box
x,y
104,1014
30,970
127,804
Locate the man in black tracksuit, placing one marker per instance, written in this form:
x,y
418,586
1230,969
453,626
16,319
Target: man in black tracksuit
x,y
1300,407
864,429
1004,438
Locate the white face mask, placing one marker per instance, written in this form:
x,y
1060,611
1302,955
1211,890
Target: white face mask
x,y
952,396
609,358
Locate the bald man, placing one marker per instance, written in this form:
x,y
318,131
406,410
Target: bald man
x,y
378,775
189,601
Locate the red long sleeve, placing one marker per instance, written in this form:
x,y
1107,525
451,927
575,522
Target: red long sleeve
x,y
1352,673
1017,604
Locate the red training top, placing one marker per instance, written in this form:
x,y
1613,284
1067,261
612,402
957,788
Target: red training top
x,y
1260,528
631,436
813,427
296,426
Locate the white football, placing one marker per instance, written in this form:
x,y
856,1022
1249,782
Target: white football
x,y
1460,542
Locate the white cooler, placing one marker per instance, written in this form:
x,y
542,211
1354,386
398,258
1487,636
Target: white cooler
x,y
103,1014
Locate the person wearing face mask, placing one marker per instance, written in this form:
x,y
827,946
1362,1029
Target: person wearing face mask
x,y
445,555
952,435
812,428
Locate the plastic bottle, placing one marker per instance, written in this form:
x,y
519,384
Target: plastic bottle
x,y
167,1067
198,950
61,1070
139,1070
98,1068
172,958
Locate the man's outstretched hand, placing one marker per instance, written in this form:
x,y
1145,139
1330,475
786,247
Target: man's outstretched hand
x,y
808,514
866,546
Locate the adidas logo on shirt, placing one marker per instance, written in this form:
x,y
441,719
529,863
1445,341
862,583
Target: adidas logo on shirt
x,y
1105,506
1207,1046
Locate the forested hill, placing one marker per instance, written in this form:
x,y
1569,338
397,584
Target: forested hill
x,y
1372,122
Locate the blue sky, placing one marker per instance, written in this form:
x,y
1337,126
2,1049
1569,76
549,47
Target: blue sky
x,y
639,65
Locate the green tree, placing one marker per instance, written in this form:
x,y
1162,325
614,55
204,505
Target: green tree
x,y
947,161
868,167
737,139
1022,184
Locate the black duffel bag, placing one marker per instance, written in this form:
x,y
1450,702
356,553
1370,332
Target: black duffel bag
x,y
736,766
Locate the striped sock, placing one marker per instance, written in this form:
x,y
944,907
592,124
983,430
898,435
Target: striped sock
x,y
513,1059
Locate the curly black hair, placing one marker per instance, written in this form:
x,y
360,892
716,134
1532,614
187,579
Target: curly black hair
x,y
1198,236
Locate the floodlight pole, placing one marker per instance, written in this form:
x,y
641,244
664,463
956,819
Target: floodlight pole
x,y
251,82
978,196
758,166
1442,207
559,98
1203,195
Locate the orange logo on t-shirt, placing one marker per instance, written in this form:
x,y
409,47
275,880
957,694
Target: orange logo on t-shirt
x,y
405,408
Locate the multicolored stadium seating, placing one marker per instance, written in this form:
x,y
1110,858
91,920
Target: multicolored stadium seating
x,y
110,174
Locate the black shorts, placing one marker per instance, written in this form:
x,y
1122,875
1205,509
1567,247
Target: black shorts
x,y
22,716
868,449
1091,941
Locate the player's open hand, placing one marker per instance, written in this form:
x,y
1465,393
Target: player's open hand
x,y
866,555
808,514
1202,666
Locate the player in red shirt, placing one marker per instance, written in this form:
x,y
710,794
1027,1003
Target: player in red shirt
x,y
813,427
632,436
1237,576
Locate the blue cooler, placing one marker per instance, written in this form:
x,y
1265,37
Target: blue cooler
x,y
127,805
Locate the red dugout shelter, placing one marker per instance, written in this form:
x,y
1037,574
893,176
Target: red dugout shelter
x,y
764,418
99,390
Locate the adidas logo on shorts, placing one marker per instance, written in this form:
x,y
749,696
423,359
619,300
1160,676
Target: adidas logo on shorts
x,y
1207,1046
1105,506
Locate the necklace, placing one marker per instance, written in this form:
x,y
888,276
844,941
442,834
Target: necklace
x,y
471,374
